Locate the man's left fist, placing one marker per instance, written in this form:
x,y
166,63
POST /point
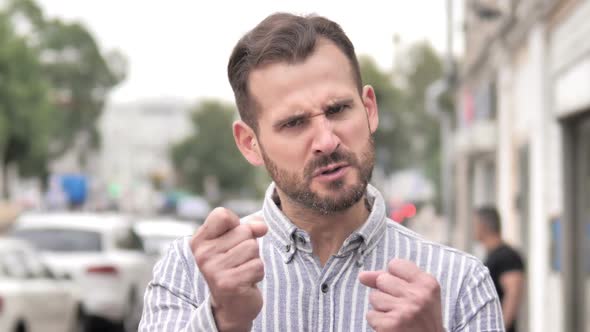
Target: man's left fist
x,y
404,299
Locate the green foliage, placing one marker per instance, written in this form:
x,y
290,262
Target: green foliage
x,y
392,138
25,113
407,136
53,84
80,77
211,152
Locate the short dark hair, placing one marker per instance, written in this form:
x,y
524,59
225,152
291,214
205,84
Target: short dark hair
x,y
281,37
489,216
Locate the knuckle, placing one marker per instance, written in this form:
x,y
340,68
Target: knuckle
x,y
252,245
218,213
224,284
404,316
201,256
421,301
370,316
258,265
392,263
373,296
200,259
193,242
415,309
197,237
245,230
259,275
381,280
391,325
432,285
221,213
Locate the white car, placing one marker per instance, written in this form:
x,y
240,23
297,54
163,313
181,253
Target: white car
x,y
32,299
102,253
158,233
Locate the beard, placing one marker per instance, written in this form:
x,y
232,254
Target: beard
x,y
341,195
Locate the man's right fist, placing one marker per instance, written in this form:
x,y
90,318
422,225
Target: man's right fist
x,y
228,257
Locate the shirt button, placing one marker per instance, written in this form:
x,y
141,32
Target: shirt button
x,y
324,288
288,248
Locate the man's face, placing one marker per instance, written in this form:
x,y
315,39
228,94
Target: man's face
x,y
478,228
315,129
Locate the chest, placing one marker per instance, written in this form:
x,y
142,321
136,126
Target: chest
x,y
304,296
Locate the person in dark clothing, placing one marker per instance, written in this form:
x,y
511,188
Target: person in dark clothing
x,y
505,264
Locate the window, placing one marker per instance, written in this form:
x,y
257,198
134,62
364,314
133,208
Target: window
x,y
62,240
12,260
127,239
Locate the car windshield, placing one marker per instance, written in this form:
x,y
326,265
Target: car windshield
x,y
61,240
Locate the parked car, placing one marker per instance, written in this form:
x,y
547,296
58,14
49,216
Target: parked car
x,y
158,233
32,298
102,253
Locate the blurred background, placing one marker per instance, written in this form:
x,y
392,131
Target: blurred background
x,y
115,139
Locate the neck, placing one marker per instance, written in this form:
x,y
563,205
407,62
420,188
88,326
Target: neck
x,y
327,231
492,242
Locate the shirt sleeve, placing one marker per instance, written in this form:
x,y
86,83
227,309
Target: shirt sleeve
x,y
510,261
479,308
169,304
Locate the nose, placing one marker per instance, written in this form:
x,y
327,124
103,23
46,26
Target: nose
x,y
325,140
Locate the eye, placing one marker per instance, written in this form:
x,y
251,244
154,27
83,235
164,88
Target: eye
x,y
336,109
298,122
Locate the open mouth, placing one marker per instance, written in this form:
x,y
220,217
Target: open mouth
x,y
331,171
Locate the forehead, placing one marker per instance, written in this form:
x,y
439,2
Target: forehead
x,y
282,87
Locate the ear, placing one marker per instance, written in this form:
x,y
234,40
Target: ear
x,y
370,103
247,143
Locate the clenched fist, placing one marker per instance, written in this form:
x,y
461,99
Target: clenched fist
x,y
228,257
404,299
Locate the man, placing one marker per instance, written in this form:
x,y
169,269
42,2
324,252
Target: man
x,y
505,264
322,254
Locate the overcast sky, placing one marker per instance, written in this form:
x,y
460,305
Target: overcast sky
x,y
179,48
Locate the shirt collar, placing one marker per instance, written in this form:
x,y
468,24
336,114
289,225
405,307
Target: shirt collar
x,y
288,238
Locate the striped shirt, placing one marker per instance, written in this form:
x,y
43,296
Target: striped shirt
x,y
301,295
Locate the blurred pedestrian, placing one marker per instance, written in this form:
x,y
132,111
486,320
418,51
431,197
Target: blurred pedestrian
x,y
322,254
505,264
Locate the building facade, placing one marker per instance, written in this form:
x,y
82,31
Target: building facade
x,y
522,143
135,150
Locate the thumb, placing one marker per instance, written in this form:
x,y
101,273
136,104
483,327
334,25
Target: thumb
x,y
257,226
369,278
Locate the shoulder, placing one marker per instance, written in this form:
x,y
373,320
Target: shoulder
x,y
436,253
509,259
511,251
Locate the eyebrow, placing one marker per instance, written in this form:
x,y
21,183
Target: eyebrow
x,y
308,115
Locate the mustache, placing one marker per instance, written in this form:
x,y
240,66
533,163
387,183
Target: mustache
x,y
327,159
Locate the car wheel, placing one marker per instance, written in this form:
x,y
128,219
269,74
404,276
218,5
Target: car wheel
x,y
133,316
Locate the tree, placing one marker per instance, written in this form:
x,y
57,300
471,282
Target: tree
x,y
408,137
211,153
53,85
79,74
425,68
80,77
392,138
24,106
